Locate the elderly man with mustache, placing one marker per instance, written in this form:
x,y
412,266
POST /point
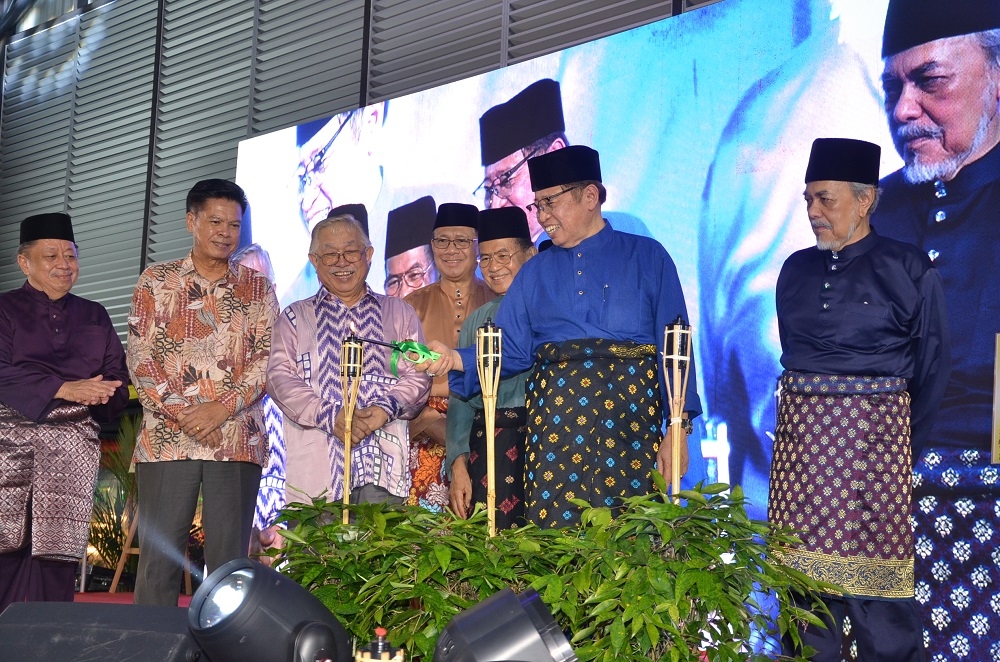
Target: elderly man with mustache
x,y
942,89
864,347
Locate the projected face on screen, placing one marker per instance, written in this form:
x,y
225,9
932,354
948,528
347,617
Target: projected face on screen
x,y
703,147
941,100
338,163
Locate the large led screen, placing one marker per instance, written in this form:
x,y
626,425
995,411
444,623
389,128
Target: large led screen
x,y
704,124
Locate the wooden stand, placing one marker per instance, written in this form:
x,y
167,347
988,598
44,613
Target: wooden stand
x,y
129,550
676,369
489,340
351,361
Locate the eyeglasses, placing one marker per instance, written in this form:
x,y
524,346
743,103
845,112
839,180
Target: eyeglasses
x,y
330,259
501,186
500,257
413,278
546,205
306,171
442,244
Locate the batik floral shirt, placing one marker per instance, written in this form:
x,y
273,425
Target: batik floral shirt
x,y
190,341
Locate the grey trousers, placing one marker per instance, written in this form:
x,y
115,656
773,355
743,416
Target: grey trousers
x,y
168,498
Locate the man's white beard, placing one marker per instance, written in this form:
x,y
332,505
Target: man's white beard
x,y
916,172
835,244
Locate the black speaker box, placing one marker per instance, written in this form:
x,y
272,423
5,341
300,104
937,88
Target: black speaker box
x,y
81,632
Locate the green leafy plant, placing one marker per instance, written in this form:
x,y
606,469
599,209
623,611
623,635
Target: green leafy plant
x,y
658,581
114,499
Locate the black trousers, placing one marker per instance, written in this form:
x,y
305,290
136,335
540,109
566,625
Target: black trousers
x,y
883,630
168,498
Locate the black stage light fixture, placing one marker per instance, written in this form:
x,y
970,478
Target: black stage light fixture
x,y
505,627
247,612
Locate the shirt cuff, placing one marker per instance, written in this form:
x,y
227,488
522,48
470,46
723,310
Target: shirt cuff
x,y
390,405
326,417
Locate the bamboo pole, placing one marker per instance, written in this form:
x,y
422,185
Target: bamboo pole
x,y
676,369
489,340
351,361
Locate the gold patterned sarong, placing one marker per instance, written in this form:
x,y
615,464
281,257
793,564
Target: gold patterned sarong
x,y
48,471
840,476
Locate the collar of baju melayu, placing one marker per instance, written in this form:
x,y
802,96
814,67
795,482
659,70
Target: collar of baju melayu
x,y
187,268
595,242
43,298
981,172
860,247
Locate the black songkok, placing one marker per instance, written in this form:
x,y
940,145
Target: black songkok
x,y
909,23
409,226
534,113
503,223
576,163
354,209
843,160
47,226
456,214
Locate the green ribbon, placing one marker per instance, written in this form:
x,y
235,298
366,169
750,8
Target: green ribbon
x,y
404,347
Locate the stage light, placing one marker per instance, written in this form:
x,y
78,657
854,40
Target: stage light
x,y
505,627
247,612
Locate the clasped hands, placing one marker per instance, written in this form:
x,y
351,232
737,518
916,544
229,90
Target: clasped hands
x,y
90,392
365,421
203,422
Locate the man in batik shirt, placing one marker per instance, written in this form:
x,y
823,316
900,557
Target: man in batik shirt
x,y
199,337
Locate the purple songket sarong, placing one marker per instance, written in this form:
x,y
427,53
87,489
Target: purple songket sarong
x,y
841,478
48,471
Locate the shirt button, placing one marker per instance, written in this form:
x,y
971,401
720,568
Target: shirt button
x,y
580,292
578,273
826,286
833,268
940,216
933,254
579,254
458,303
826,306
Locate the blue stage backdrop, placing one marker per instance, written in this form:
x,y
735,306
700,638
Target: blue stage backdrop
x,y
703,122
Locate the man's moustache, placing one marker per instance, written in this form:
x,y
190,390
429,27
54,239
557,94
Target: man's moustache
x,y
908,132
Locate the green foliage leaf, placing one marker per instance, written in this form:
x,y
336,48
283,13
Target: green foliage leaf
x,y
645,582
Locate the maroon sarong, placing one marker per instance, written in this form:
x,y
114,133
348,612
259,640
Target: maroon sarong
x,y
48,469
841,477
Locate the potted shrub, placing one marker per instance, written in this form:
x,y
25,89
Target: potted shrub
x,y
658,581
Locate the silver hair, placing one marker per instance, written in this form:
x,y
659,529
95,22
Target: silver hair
x,y
990,42
346,219
859,189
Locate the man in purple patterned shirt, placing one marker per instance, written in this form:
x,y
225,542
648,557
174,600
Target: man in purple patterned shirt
x,y
303,376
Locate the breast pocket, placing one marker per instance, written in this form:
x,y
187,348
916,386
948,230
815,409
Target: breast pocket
x,y
864,325
621,315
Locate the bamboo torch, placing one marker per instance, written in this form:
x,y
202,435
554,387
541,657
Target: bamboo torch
x,y
676,368
351,360
489,339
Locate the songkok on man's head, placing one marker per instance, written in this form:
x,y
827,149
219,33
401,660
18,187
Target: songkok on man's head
x,y
456,214
503,223
47,226
843,160
409,226
909,23
534,113
576,163
355,210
